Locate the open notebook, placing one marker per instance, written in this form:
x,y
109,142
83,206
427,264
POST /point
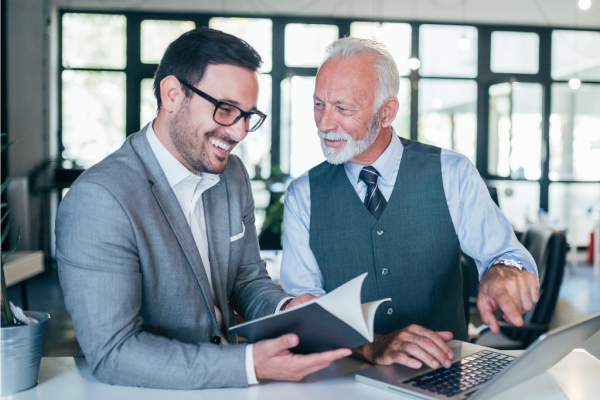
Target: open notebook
x,y
334,321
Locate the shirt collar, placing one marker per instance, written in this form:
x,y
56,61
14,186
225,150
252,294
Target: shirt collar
x,y
173,169
385,164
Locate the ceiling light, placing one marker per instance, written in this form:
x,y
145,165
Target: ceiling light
x,y
585,4
463,43
414,63
574,83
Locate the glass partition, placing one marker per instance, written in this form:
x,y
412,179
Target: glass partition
x,y
519,201
396,37
93,41
515,131
575,54
305,44
447,114
575,133
570,204
157,35
258,32
93,115
446,50
515,52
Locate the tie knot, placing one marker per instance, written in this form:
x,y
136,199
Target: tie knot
x,y
369,175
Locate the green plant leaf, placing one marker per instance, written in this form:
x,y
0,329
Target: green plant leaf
x,y
13,248
4,216
4,185
6,230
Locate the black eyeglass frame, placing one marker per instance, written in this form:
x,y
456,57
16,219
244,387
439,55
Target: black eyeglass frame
x,y
217,103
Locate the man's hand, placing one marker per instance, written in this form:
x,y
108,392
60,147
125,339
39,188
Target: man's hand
x,y
512,290
410,346
273,360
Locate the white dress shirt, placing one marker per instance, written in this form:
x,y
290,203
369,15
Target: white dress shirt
x,y
188,188
483,231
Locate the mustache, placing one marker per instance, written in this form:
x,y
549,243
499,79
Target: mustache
x,y
334,135
222,137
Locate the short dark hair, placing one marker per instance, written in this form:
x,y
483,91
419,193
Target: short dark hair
x,y
189,55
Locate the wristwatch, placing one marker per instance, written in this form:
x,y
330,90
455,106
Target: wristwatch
x,y
508,263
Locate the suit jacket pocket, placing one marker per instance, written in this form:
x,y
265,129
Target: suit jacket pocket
x,y
239,235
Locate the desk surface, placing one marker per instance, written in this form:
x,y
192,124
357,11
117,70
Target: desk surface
x,y
66,378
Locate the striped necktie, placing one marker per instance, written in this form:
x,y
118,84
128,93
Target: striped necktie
x,y
374,200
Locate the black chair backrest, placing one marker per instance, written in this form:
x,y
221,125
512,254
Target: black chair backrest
x,y
549,250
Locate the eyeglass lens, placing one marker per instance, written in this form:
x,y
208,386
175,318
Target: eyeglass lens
x,y
226,114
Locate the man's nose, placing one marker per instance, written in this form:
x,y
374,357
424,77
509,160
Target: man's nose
x,y
325,120
237,131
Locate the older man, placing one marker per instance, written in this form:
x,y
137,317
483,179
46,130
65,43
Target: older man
x,y
156,244
401,211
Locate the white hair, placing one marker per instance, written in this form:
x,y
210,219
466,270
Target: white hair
x,y
388,78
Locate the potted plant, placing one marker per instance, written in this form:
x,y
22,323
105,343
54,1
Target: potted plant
x,y
22,333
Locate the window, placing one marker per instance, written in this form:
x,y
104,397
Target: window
x,y
157,35
105,88
305,43
93,86
447,114
515,135
515,52
396,37
446,50
575,133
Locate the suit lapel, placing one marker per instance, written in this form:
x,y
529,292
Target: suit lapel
x,y
169,205
216,215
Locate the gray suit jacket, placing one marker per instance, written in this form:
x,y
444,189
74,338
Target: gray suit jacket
x,y
134,282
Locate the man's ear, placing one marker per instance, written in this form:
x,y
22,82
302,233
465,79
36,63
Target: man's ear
x,y
171,94
388,111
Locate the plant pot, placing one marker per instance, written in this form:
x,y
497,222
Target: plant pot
x,y
22,353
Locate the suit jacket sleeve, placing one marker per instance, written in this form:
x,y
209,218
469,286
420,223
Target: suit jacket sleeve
x,y
254,294
100,275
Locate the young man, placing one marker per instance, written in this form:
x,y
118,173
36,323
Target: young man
x,y
157,246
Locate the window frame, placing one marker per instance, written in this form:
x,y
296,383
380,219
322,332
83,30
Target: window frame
x,y
136,71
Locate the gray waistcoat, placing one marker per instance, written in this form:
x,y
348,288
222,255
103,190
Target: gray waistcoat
x,y
411,253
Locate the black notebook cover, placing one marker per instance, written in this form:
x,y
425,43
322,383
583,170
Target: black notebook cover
x,y
317,329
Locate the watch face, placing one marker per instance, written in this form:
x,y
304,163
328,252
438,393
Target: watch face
x,y
509,263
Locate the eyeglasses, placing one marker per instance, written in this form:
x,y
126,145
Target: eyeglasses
x,y
227,114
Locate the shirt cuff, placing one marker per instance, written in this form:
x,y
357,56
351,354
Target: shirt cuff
x,y
278,308
250,372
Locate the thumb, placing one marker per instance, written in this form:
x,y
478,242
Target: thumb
x,y
445,335
282,343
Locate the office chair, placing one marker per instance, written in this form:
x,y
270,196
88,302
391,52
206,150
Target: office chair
x,y
549,250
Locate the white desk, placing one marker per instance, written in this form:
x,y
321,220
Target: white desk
x,y
576,377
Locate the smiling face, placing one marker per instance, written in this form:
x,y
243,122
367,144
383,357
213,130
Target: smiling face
x,y
197,141
343,107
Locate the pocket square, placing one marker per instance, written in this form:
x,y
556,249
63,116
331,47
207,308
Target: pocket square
x,y
239,235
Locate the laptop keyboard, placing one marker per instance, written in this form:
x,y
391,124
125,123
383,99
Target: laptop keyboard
x,y
464,374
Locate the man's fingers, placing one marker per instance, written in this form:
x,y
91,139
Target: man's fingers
x,y
512,310
535,289
416,351
399,357
277,345
487,314
314,362
436,346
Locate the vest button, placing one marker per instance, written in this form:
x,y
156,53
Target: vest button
x,y
390,311
216,340
380,232
384,271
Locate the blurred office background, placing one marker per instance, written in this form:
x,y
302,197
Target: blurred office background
x,y
513,85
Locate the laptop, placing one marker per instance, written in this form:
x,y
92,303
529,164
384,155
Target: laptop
x,y
479,372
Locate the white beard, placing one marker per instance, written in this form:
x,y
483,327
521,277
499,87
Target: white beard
x,y
353,147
